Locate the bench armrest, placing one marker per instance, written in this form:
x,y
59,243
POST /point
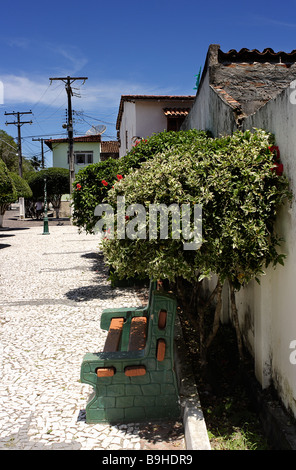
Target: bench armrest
x,y
123,312
92,361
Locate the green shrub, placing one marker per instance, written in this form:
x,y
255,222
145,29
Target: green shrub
x,y
232,178
8,192
90,188
89,191
22,187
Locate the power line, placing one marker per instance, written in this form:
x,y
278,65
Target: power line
x,y
68,82
19,124
42,150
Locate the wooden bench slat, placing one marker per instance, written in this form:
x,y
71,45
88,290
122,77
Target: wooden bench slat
x,y
138,333
114,335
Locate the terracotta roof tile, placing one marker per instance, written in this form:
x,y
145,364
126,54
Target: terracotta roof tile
x,y
248,77
176,112
253,55
110,146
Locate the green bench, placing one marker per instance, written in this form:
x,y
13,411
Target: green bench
x,y
133,377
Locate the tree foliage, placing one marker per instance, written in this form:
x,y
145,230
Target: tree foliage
x,y
90,188
93,182
57,184
231,178
8,153
21,185
8,192
234,181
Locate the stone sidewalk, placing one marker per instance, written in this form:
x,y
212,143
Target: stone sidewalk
x,y
53,289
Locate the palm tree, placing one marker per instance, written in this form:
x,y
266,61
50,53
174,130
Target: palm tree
x,y
36,163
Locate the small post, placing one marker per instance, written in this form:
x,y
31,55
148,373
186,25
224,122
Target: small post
x,y
45,219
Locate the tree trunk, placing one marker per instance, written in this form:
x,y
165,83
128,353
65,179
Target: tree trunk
x,y
3,209
236,322
216,321
205,343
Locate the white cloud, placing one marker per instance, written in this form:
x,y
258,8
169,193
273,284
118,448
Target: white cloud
x,y
19,90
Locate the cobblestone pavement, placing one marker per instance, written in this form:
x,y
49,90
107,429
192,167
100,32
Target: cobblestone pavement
x,y
52,291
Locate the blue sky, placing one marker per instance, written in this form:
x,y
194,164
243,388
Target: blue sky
x,y
123,47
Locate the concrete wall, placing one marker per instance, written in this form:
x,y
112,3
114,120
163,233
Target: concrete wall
x,y
127,128
267,311
60,153
275,300
150,117
210,113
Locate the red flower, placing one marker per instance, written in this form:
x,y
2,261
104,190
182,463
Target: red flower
x,y
78,186
119,177
278,168
104,183
275,150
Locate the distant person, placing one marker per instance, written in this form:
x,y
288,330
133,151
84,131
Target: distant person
x,y
39,209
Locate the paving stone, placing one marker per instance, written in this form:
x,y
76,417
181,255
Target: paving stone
x,y
52,291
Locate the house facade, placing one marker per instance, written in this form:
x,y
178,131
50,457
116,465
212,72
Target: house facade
x,y
87,150
245,90
140,116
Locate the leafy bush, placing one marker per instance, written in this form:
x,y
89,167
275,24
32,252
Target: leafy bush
x,y
233,179
57,184
7,189
89,189
22,187
8,192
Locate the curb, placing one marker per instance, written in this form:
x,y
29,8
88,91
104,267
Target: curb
x,y
196,436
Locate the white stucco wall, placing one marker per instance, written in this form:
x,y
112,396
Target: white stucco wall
x,y
142,118
210,113
267,311
274,302
150,117
127,127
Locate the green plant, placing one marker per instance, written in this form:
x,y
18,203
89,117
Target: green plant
x,y
232,179
89,189
8,193
57,184
22,187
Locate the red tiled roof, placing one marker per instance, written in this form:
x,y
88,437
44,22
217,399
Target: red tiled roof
x,y
247,79
253,55
110,146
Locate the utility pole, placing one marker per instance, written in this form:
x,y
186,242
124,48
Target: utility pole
x,y
68,82
42,151
19,123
